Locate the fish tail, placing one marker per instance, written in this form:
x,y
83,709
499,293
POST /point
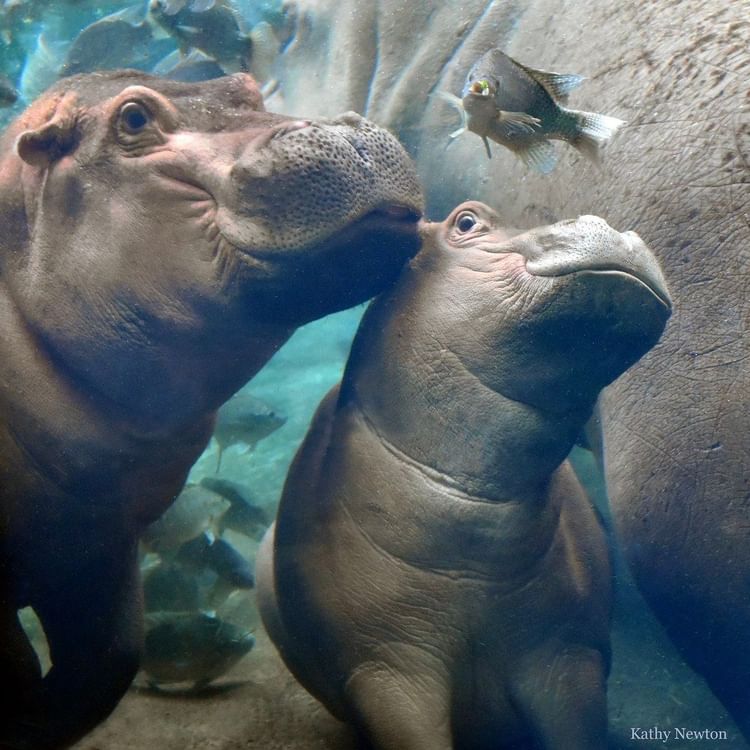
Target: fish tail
x,y
589,131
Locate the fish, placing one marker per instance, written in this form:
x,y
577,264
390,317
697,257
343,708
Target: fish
x,y
41,67
194,647
218,31
195,66
243,515
196,509
266,48
244,419
521,108
229,564
168,586
218,555
118,40
172,7
239,608
8,92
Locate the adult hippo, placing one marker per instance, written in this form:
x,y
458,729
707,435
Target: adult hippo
x,y
676,428
159,242
438,577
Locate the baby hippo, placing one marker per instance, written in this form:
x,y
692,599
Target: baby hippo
x,y
437,576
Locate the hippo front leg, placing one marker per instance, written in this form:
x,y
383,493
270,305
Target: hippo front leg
x,y
563,698
94,631
402,704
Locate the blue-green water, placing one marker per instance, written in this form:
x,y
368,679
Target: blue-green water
x,y
306,66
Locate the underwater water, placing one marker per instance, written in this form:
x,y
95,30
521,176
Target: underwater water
x,y
440,581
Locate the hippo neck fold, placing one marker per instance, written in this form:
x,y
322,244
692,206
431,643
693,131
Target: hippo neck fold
x,y
425,402
77,445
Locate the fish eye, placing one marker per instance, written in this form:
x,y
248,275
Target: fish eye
x,y
134,117
466,221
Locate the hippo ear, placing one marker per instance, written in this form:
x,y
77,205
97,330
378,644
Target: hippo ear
x,y
44,145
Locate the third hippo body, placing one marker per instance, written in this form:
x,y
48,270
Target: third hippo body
x,y
437,576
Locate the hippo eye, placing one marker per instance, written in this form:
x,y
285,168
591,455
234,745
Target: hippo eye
x,y
134,117
466,221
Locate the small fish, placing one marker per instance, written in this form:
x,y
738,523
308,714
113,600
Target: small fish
x,y
216,554
520,108
192,647
118,40
243,515
244,419
168,586
266,48
172,7
195,510
8,93
217,30
41,66
190,68
239,608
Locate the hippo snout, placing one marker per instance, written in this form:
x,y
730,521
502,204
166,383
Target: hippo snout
x,y
308,180
352,119
590,244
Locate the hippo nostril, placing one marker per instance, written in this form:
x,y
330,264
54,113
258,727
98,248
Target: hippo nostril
x,y
359,146
290,127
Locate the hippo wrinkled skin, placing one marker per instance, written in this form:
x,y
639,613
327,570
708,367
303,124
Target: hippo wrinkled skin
x,y
159,242
675,428
437,575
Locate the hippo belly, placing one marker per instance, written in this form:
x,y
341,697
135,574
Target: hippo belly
x,y
437,576
432,608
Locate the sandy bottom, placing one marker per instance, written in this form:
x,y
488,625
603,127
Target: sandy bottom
x,y
259,705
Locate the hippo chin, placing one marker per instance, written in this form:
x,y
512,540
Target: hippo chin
x,y
160,241
436,575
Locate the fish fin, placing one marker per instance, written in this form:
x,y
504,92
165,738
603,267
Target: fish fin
x,y
592,131
167,63
520,121
539,156
559,85
456,103
264,50
200,6
269,88
487,146
219,454
456,133
172,7
158,32
453,100
134,15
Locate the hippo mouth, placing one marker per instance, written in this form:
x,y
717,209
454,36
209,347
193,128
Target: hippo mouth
x,y
642,276
396,221
603,251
